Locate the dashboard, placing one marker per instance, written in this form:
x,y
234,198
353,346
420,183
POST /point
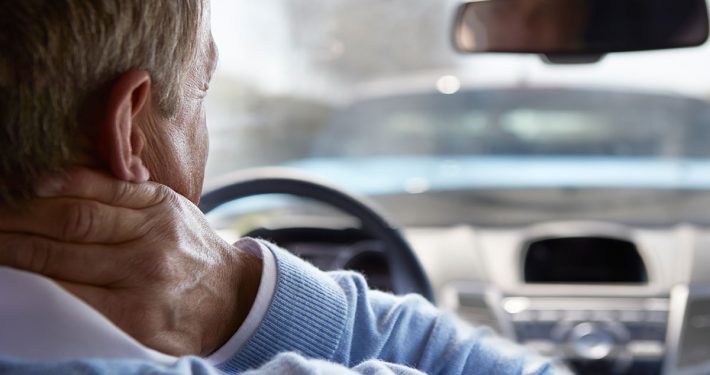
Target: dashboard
x,y
609,299
605,297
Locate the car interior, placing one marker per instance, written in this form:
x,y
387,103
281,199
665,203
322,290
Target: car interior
x,y
541,167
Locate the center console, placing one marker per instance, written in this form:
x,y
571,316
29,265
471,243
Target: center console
x,y
596,336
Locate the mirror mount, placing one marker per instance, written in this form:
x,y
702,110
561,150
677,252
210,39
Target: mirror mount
x,y
572,59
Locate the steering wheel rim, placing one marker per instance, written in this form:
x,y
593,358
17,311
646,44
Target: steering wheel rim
x,y
407,274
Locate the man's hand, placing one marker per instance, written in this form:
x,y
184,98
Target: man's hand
x,y
141,254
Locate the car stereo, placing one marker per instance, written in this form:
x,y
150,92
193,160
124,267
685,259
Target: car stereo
x,y
595,335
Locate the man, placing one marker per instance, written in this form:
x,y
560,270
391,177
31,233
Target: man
x,y
104,145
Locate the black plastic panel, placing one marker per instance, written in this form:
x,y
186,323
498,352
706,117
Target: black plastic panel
x,y
584,260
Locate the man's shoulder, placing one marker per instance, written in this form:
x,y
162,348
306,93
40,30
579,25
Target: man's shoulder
x,y
100,366
41,321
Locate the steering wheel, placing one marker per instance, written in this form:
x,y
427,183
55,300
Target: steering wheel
x,y
406,271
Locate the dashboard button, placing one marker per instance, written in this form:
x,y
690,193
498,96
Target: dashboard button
x,y
577,315
524,316
548,315
592,342
646,331
604,315
516,305
537,330
544,347
657,316
646,349
631,316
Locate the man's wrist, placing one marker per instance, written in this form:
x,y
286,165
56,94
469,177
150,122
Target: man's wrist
x,y
249,279
260,307
237,297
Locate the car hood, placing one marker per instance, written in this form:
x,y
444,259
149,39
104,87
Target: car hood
x,y
403,174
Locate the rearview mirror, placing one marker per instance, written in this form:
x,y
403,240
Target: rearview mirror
x,y
583,27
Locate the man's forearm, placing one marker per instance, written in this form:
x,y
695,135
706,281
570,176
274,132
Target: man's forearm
x,y
334,317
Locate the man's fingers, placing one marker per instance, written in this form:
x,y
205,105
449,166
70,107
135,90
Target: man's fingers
x,y
86,264
76,220
93,185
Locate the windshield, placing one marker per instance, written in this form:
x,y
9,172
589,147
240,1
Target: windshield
x,y
372,96
518,122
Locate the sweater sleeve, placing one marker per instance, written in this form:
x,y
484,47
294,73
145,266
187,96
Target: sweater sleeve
x,y
334,317
284,363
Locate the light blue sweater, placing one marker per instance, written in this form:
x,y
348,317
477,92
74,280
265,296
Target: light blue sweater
x,y
330,323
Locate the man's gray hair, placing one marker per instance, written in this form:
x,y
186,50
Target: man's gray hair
x,y
56,55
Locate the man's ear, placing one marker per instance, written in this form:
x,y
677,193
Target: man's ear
x,y
121,140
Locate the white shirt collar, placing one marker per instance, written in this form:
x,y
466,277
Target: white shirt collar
x,y
41,321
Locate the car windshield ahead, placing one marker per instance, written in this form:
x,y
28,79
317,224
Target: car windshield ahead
x,y
519,122
371,95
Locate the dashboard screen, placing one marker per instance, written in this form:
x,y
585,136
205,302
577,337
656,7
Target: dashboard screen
x,y
584,260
